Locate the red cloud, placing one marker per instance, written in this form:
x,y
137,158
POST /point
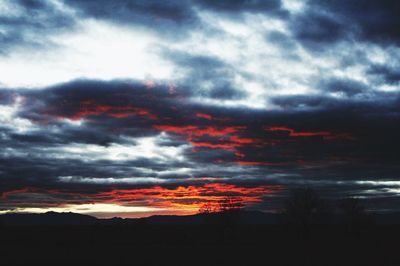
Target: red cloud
x,y
324,134
192,130
186,199
204,144
224,137
89,108
262,163
240,140
230,144
211,117
204,116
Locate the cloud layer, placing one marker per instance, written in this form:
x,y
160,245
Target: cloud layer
x,y
125,102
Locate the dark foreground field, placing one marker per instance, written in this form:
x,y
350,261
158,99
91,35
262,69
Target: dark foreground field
x,y
144,243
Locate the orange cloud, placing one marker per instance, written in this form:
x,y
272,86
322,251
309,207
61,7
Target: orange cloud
x,y
181,199
189,198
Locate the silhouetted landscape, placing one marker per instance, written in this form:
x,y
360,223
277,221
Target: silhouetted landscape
x,y
232,238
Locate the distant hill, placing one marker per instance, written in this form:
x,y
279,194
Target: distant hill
x,y
75,239
48,218
54,218
242,217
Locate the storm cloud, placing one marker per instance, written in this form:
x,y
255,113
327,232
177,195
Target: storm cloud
x,y
127,102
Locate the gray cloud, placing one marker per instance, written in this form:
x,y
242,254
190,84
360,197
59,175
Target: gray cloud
x,y
335,140
27,23
344,131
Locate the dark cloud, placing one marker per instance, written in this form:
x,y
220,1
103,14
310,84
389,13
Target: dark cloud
x,y
320,25
375,21
323,24
173,19
33,21
316,29
387,74
273,7
364,103
170,18
133,11
206,76
314,139
7,97
346,87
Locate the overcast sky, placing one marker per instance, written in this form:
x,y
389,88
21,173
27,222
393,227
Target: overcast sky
x,y
132,108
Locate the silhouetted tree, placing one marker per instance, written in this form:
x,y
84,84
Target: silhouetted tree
x,y
206,208
229,210
229,204
304,208
226,211
352,208
354,215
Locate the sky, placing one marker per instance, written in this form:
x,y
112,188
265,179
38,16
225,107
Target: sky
x,y
134,108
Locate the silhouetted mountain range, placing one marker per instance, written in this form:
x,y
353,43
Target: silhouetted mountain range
x,y
54,218
201,239
48,218
242,217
